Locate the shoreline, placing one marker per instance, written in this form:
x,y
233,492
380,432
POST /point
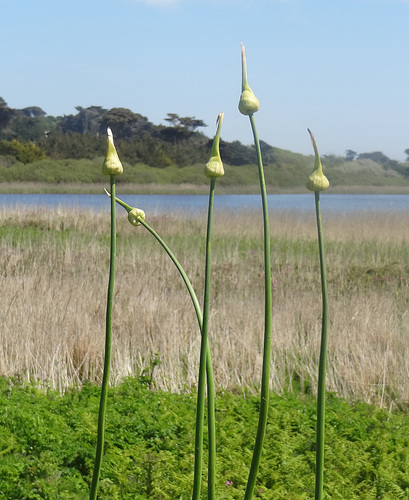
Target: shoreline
x,y
180,189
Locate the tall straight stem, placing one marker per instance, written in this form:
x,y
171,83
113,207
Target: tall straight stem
x,y
265,379
319,463
107,358
202,366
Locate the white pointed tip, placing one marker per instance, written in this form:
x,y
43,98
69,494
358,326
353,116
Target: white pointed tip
x,y
107,193
109,133
311,135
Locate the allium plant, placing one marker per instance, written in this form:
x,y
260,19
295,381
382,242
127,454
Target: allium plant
x,y
213,170
318,182
112,166
248,105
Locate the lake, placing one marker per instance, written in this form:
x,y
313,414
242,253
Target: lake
x,y
188,204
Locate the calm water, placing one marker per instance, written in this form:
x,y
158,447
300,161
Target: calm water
x,y
185,204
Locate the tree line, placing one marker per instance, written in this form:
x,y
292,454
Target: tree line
x,y
31,134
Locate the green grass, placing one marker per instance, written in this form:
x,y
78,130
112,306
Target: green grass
x,y
286,174
47,445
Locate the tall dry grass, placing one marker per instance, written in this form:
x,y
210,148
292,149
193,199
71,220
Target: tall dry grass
x,y
53,280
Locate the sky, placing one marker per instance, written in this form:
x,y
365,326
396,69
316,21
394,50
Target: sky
x,y
338,67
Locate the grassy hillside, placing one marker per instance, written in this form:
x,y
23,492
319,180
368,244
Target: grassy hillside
x,y
287,173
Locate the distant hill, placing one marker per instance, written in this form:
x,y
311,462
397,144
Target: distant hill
x,y
38,148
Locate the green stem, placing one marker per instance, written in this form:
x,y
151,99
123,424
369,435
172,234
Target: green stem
x,y
107,358
209,368
265,379
179,267
319,467
196,305
202,368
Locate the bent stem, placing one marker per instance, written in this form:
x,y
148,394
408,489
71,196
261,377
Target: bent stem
x,y
319,463
107,358
209,368
265,378
202,372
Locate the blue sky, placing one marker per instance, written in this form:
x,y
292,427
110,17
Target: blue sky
x,y
339,67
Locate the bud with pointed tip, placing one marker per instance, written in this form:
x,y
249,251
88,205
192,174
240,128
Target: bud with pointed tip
x,y
214,167
317,180
112,164
248,103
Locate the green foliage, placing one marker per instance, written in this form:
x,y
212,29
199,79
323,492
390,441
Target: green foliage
x,y
82,136
47,445
25,153
73,145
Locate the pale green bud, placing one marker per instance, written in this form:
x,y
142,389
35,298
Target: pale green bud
x,y
214,167
112,164
317,180
135,216
248,103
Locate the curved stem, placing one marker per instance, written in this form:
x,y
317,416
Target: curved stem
x,y
319,463
107,358
188,284
193,296
208,363
209,368
265,378
202,366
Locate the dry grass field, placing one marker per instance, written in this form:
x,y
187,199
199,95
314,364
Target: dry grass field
x,y
54,274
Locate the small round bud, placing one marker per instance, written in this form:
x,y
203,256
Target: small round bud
x,y
214,167
112,164
317,181
135,216
248,103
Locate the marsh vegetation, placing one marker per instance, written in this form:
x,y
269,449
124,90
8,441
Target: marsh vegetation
x,y
53,279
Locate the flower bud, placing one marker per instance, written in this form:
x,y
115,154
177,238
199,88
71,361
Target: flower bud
x,y
135,216
112,164
214,167
248,103
317,180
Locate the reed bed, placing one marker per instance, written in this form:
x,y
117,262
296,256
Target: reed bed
x,y
53,268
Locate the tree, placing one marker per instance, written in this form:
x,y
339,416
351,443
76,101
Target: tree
x,y
33,112
6,115
267,153
87,120
125,124
90,118
182,128
350,155
26,153
235,153
378,157
187,122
